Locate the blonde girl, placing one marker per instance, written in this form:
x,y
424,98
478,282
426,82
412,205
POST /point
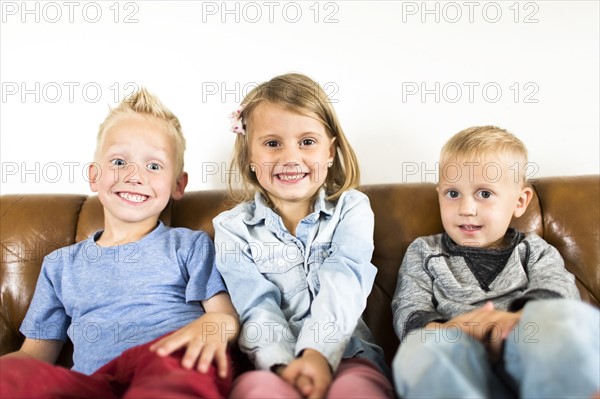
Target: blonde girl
x,y
296,251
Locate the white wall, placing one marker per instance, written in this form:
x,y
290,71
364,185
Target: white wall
x,y
404,76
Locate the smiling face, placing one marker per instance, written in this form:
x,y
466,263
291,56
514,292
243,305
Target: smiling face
x,y
136,170
290,154
479,198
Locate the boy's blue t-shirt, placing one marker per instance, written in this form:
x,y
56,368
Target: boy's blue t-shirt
x,y
109,299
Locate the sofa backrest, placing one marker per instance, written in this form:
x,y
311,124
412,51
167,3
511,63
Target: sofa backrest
x,y
564,211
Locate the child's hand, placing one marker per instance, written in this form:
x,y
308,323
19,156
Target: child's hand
x,y
487,325
501,324
206,341
310,374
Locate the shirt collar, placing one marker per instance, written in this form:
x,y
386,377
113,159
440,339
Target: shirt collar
x,y
160,227
512,238
322,204
262,210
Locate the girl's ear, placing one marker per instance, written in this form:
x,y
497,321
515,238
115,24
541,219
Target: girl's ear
x,y
180,185
94,172
332,148
523,201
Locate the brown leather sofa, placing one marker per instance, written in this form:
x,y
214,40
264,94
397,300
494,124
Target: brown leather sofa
x,y
565,211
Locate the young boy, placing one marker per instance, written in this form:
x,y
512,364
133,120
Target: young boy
x,y
115,294
483,310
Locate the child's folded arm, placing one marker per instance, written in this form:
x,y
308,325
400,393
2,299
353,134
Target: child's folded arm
x,y
265,336
413,302
346,279
547,275
45,350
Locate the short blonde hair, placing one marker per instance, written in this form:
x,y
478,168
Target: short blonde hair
x,y
480,142
300,94
146,104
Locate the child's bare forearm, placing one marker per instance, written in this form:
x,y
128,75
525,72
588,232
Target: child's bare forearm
x,y
44,350
19,354
226,324
220,310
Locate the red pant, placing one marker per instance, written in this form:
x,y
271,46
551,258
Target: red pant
x,y
137,373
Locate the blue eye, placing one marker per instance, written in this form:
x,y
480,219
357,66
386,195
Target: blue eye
x,y
154,166
485,194
118,162
452,194
305,142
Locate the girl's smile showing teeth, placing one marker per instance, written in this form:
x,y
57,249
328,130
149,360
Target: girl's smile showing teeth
x,y
291,177
132,197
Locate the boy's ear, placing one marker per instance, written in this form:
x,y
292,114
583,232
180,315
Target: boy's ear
x,y
93,174
180,185
523,201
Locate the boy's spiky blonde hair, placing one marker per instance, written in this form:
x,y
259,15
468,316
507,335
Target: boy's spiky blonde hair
x,y
144,103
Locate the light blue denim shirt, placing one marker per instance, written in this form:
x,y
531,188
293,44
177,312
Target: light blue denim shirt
x,y
307,291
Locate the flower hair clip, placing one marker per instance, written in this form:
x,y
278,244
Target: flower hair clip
x,y
237,125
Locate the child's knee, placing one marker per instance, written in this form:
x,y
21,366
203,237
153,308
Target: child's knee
x,y
561,316
432,346
262,384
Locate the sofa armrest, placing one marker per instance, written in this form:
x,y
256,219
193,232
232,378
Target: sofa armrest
x,y
32,227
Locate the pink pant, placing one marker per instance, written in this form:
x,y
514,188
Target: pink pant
x,y
354,378
137,373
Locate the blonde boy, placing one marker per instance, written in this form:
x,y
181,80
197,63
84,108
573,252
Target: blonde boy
x,y
483,310
115,294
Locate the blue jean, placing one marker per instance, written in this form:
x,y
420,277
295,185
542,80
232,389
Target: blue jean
x,y
553,352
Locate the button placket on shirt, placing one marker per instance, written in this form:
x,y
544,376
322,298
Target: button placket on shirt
x,y
306,227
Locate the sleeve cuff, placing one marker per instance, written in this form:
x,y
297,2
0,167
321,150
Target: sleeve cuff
x,y
272,355
332,350
532,295
420,319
